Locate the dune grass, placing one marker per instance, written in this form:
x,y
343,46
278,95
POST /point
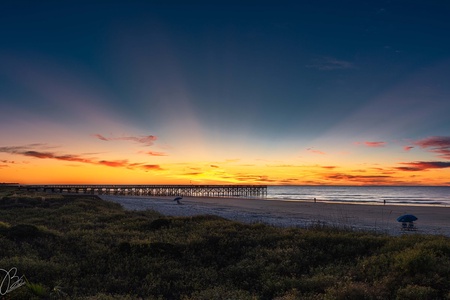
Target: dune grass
x,y
81,247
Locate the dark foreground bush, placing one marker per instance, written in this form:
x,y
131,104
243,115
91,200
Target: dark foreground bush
x,y
86,248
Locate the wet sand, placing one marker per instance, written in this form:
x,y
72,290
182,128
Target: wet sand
x,y
379,218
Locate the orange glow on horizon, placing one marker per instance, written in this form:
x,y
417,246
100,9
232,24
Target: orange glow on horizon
x,y
54,172
130,159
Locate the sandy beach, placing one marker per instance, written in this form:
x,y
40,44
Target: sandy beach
x,y
379,218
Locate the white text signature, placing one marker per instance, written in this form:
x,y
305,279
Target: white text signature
x,y
9,281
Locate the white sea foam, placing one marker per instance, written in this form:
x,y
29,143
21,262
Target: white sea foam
x,y
402,195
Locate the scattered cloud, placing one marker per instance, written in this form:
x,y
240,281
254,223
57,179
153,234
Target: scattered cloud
x,y
281,166
100,137
436,144
252,177
151,167
361,179
214,166
146,140
193,173
342,176
377,168
7,161
25,151
38,154
388,171
288,180
375,144
328,167
372,144
16,149
117,163
328,63
408,148
424,165
154,153
315,151
434,141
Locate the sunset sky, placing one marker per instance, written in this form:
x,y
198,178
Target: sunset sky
x,y
225,92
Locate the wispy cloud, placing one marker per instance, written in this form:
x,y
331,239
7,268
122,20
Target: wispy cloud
x,y
254,178
193,173
16,149
151,167
288,180
388,171
115,163
436,144
315,151
361,179
408,148
154,153
7,161
147,140
328,63
372,144
214,166
26,151
423,165
328,167
281,166
375,144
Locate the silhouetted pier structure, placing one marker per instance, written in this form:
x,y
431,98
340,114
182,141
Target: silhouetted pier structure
x,y
155,190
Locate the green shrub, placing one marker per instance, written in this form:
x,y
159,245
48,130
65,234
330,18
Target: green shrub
x,y
416,292
37,289
103,296
4,225
23,231
81,247
220,293
351,291
157,224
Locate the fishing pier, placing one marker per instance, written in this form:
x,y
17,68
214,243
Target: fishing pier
x,y
156,190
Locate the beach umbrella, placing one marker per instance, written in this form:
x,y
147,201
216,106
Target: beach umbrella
x,y
407,218
178,199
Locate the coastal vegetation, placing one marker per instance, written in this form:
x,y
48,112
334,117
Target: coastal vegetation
x,y
81,247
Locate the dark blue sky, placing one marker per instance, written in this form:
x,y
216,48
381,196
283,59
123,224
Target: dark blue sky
x,y
286,58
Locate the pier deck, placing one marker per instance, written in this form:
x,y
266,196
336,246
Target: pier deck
x,y
156,190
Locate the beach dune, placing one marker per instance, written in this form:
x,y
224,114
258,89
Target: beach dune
x,y
378,218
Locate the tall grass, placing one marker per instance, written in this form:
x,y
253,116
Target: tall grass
x,y
80,247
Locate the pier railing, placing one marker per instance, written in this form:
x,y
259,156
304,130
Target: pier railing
x,y
156,190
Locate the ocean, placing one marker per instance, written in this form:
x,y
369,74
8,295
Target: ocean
x,y
400,195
